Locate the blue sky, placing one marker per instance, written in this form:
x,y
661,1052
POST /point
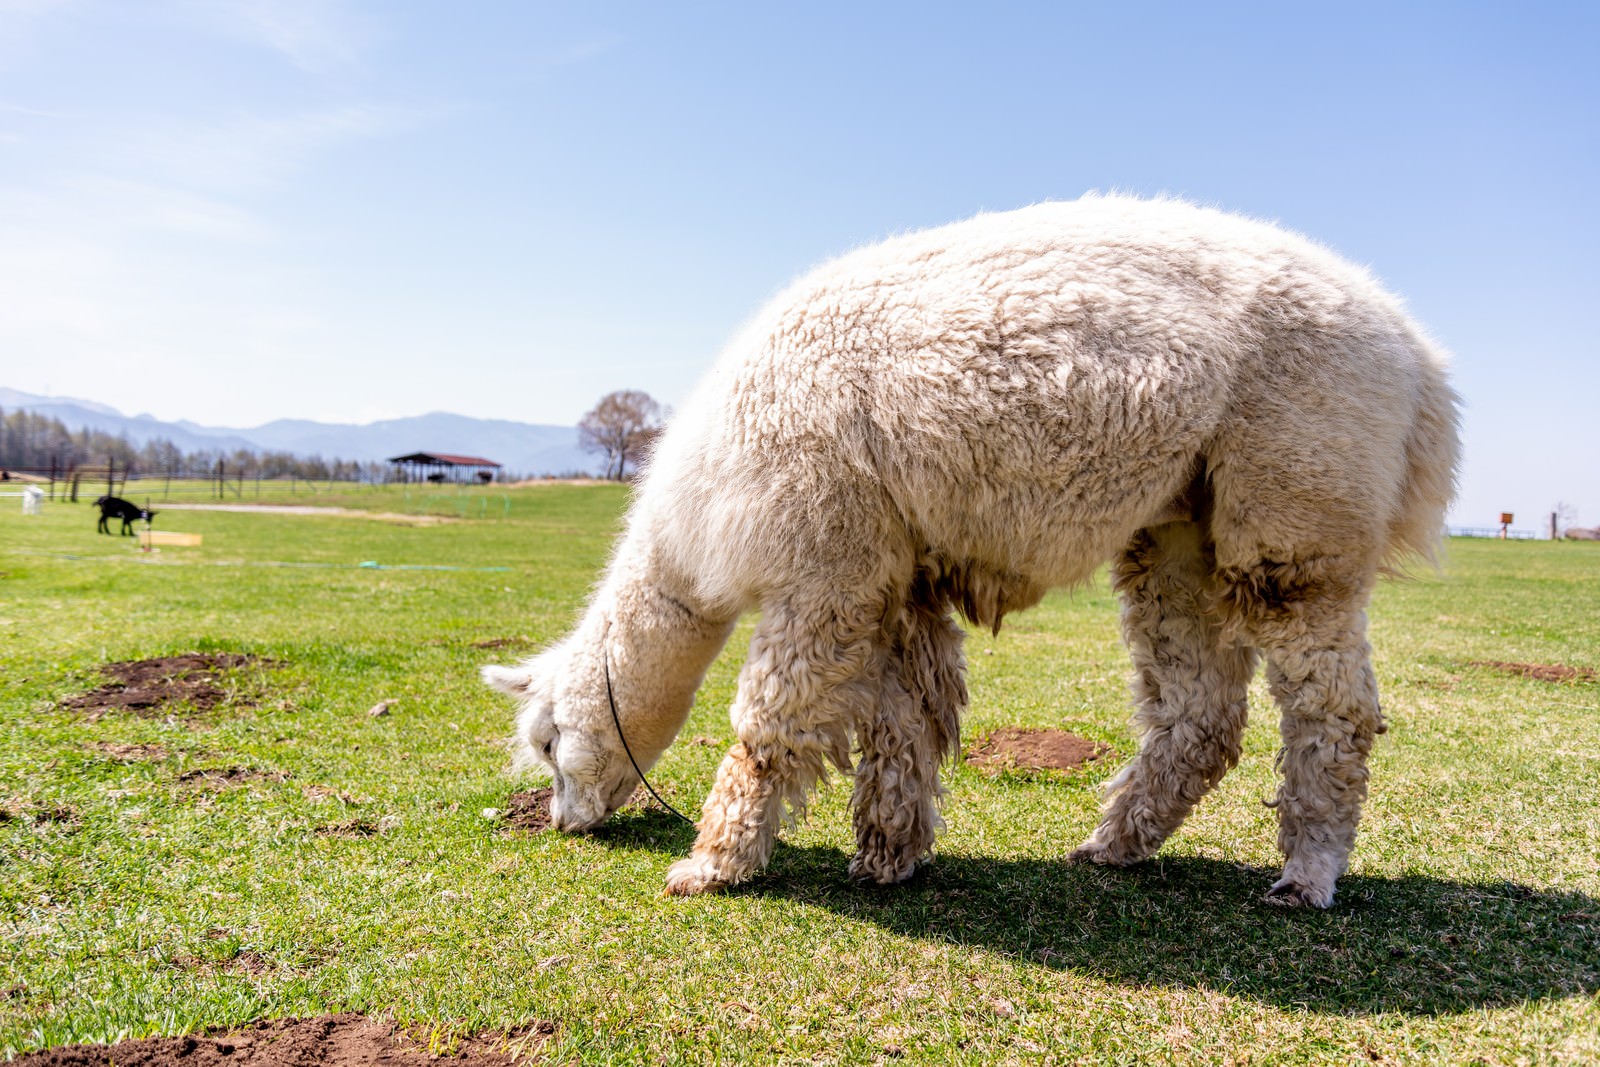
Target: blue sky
x,y
241,210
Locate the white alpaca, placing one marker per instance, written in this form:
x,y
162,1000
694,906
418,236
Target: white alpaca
x,y
964,418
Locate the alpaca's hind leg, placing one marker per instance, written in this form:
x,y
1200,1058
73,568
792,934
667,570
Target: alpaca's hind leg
x,y
1191,688
916,722
1320,673
802,686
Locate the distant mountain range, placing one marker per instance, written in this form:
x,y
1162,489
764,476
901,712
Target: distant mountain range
x,y
520,447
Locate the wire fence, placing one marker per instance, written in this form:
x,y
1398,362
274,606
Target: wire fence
x,y
1495,533
72,484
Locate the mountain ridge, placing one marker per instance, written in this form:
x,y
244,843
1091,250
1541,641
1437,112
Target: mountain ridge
x,y
522,448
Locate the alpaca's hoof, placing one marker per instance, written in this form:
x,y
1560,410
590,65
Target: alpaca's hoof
x,y
882,869
1291,894
1092,851
1087,854
693,876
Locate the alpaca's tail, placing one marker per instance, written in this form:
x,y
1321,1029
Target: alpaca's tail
x,y
1433,458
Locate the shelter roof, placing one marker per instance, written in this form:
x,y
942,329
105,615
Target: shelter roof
x,y
444,459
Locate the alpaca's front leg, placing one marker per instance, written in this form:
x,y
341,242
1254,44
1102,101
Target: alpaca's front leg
x,y
896,791
921,696
737,825
798,692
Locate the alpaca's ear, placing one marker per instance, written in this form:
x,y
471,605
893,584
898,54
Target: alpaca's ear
x,y
517,681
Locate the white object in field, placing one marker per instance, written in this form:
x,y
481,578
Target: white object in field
x,y
32,496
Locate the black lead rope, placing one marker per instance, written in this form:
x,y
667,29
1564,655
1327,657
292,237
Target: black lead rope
x,y
605,665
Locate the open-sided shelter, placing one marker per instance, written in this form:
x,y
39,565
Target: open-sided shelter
x,y
444,467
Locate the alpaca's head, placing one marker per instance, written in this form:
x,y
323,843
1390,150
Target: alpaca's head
x,y
566,726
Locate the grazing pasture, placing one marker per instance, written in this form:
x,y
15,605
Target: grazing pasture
x,y
261,841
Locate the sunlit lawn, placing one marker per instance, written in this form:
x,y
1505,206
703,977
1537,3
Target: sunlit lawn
x,y
345,862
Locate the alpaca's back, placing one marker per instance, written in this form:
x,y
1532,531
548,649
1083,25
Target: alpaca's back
x,y
1018,393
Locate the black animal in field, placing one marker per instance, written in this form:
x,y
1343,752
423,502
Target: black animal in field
x,y
114,507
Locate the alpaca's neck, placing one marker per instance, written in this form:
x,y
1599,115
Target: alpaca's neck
x,y
658,646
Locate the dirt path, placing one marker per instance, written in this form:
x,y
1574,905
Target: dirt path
x,y
310,509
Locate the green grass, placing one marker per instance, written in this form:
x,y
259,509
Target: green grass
x,y
134,902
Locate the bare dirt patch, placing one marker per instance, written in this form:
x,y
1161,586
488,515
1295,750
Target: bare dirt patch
x,y
252,964
227,777
529,811
1539,672
503,642
345,1040
351,828
149,687
1020,748
28,810
328,792
131,753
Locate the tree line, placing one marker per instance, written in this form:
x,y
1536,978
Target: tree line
x,y
34,442
622,427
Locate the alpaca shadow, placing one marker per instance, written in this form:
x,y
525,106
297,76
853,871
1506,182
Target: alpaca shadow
x,y
1414,944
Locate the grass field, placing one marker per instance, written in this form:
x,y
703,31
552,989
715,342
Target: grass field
x,y
285,854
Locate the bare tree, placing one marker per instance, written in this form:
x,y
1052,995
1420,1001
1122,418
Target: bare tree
x,y
1562,518
622,427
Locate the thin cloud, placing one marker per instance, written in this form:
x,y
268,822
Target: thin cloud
x,y
8,108
254,151
29,8
317,36
18,21
583,51
16,14
132,206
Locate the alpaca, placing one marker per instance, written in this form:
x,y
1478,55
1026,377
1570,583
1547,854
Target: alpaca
x,y
961,419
